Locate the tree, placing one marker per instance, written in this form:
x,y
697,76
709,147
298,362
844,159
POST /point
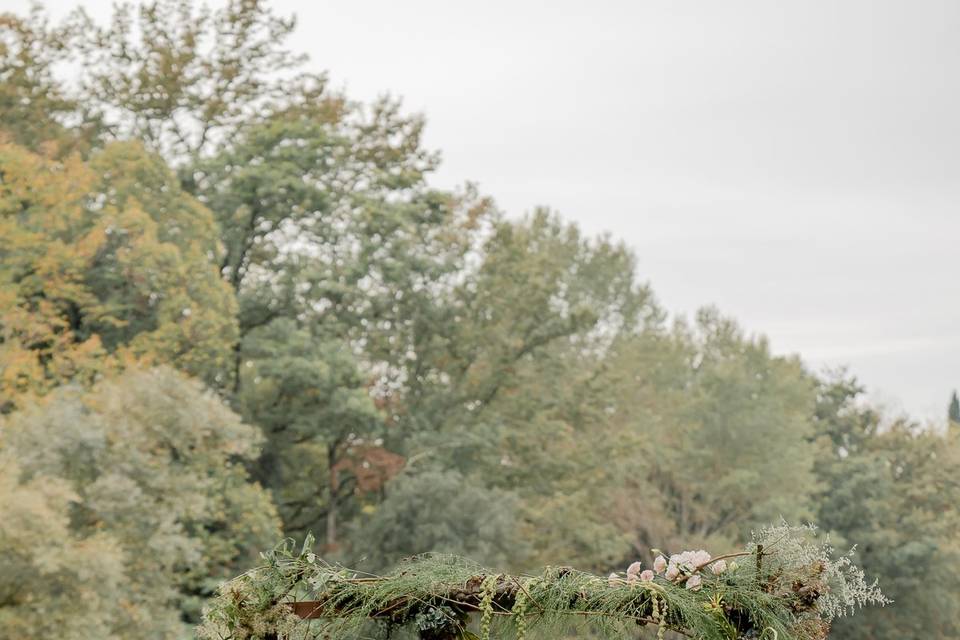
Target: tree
x,y
148,470
55,582
338,253
439,511
35,107
183,79
953,412
324,432
369,233
718,435
501,391
892,490
103,262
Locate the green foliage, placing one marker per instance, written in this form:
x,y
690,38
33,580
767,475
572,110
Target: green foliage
x,y
504,393
147,470
321,424
438,511
793,547
697,412
893,491
55,583
183,78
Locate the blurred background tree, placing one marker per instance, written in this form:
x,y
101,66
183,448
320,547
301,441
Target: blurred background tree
x,y
147,469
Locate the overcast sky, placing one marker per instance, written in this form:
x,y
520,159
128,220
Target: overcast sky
x,y
796,163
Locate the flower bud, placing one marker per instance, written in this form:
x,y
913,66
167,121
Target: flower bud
x,y
718,567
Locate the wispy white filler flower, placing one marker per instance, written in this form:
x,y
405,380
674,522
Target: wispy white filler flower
x,y
694,582
718,567
646,575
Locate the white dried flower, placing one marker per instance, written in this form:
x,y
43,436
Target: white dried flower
x,y
694,582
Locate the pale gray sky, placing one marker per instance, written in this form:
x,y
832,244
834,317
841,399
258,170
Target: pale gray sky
x,y
795,163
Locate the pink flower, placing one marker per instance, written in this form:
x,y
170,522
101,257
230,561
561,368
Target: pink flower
x,y
646,576
694,582
690,561
612,580
672,572
718,567
633,569
659,564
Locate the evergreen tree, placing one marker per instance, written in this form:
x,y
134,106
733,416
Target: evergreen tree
x,y
953,411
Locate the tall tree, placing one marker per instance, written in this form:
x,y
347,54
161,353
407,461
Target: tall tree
x,y
723,435
183,79
335,244
502,399
893,491
324,432
953,411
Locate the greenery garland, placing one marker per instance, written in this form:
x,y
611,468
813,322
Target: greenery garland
x,y
790,591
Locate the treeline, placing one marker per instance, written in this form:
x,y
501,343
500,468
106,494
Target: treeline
x,y
233,308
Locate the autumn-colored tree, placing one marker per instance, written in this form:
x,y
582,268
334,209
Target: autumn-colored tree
x,y
103,262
